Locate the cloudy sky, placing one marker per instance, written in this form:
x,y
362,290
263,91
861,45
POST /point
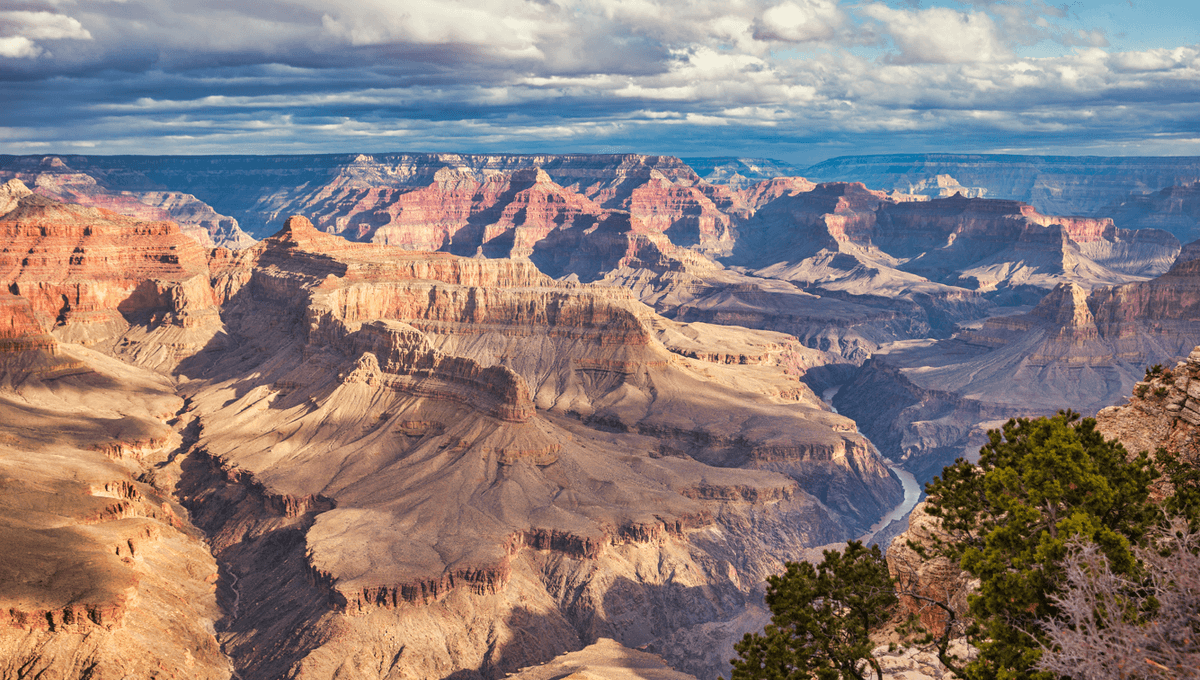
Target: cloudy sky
x,y
797,80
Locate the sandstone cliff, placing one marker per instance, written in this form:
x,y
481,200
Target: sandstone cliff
x,y
427,464
1074,350
102,576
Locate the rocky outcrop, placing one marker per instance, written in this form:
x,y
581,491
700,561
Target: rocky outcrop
x,y
401,352
86,267
934,589
1162,412
26,349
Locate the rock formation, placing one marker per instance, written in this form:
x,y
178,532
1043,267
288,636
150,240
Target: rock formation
x,y
1074,350
102,575
53,178
410,462
1062,185
1175,209
1162,412
738,173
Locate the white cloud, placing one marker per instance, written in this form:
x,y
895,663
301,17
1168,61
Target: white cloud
x,y
18,47
940,35
512,26
22,28
43,26
1156,59
806,21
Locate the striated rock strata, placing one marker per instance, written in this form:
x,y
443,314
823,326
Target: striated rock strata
x,y
53,178
1075,350
1065,185
408,464
102,575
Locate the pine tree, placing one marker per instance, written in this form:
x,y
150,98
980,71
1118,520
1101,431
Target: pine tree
x,y
821,619
1037,484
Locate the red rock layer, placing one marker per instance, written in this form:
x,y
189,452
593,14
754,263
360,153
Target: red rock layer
x,y
88,266
54,179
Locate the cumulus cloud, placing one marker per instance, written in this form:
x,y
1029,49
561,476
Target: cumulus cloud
x,y
940,35
18,46
43,25
806,21
20,30
769,77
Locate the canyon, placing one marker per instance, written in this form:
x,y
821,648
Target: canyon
x,y
458,416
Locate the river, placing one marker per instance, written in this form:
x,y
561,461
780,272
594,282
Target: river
x,y
912,490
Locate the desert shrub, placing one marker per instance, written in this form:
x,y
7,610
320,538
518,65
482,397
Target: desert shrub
x,y
1111,626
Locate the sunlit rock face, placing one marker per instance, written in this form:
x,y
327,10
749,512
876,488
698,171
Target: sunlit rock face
x,y
429,464
1075,349
473,413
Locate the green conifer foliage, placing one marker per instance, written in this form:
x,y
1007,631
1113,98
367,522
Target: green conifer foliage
x,y
1037,484
821,617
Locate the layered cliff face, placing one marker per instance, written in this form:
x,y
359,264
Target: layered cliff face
x,y
1075,349
1175,209
92,276
261,191
53,178
990,244
412,464
102,575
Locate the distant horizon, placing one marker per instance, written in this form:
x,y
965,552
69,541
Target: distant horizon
x,y
683,157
